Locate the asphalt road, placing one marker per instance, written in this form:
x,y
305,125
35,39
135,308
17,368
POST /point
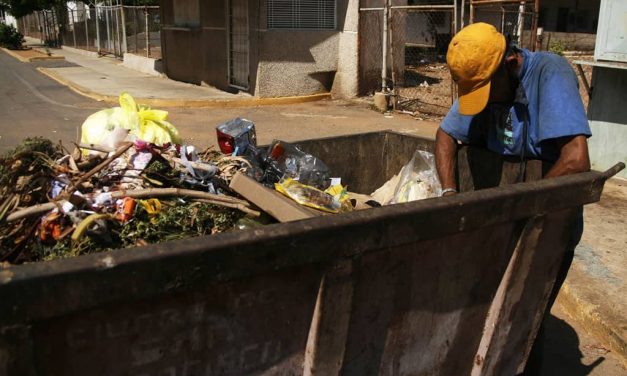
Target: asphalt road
x,y
31,104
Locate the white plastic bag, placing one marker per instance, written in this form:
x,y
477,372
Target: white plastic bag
x,y
418,179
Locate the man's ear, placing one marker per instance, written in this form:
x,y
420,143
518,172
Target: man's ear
x,y
511,59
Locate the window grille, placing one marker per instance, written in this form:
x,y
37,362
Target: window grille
x,y
301,14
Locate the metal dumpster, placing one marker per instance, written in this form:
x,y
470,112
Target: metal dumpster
x,y
444,286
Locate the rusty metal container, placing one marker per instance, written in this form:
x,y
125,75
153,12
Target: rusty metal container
x,y
445,286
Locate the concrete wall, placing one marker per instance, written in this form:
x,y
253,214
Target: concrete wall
x,y
572,41
346,83
282,62
608,118
143,64
297,62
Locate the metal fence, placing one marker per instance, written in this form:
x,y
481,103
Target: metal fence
x,y
515,19
423,33
404,47
403,53
42,25
106,29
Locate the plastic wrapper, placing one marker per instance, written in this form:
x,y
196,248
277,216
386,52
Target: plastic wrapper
x,y
418,179
334,200
104,127
237,136
284,160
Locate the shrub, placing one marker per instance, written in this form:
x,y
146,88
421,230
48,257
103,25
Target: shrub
x,y
10,37
558,47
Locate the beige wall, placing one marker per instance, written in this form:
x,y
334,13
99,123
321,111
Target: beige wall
x,y
282,62
300,62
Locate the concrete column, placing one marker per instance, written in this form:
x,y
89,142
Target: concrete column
x,y
346,83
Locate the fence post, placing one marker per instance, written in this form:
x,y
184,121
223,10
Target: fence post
x,y
146,33
384,48
534,24
117,31
392,60
86,32
136,30
521,20
97,29
124,46
454,18
73,28
41,28
107,44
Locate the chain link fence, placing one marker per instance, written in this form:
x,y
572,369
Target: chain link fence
x,y
416,75
513,20
106,29
370,51
143,31
42,25
424,85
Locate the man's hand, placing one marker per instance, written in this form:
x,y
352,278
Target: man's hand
x,y
445,153
573,157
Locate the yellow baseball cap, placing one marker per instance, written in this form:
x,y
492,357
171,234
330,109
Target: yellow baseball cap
x,y
473,56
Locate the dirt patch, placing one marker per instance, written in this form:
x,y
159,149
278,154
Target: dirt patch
x,y
426,89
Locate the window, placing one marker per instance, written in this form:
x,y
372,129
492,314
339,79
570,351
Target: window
x,y
301,14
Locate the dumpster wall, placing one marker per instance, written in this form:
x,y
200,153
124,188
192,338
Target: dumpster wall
x,y
402,289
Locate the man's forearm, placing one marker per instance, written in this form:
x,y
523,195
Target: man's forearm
x,y
445,153
573,157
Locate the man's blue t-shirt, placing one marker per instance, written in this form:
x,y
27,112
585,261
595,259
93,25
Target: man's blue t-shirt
x,y
548,95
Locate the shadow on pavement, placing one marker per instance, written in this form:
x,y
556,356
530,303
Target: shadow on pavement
x,y
562,354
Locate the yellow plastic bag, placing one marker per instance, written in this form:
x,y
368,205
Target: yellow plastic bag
x,y
141,122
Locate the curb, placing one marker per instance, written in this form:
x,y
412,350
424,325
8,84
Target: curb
x,y
587,315
189,103
31,59
14,55
79,51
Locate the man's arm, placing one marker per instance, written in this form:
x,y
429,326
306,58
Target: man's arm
x,y
573,157
445,153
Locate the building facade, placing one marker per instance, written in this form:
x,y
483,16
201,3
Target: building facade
x,y
268,48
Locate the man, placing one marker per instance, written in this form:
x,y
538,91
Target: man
x,y
515,103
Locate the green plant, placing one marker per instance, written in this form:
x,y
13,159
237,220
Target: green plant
x,y
558,47
10,37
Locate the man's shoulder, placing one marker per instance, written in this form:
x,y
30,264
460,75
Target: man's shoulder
x,y
549,62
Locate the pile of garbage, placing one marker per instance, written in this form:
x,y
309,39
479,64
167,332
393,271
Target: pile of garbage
x,y
130,182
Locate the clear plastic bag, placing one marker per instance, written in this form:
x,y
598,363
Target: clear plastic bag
x,y
284,160
418,179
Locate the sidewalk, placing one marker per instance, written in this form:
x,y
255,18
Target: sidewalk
x,y
594,292
104,78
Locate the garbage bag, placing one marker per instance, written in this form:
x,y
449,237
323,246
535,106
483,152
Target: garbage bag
x,y
418,179
284,160
141,122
